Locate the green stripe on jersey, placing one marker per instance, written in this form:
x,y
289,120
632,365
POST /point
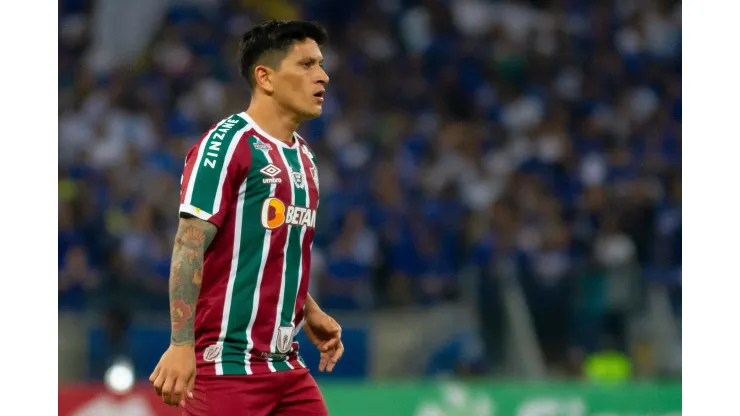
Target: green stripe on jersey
x,y
254,244
208,170
293,252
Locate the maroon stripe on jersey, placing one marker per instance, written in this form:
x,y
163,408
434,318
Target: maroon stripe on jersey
x,y
313,194
312,181
270,288
210,307
216,269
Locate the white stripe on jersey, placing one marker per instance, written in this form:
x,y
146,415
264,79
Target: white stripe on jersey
x,y
227,160
232,275
273,343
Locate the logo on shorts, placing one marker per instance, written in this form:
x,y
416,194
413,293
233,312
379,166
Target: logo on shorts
x,y
212,353
285,339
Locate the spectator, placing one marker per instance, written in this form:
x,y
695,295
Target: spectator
x,y
350,263
77,279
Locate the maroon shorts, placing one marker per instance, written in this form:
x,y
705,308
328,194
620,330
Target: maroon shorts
x,y
285,393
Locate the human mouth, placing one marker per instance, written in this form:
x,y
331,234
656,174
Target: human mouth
x,y
319,96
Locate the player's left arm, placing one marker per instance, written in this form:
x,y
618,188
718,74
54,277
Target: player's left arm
x,y
323,330
311,305
325,333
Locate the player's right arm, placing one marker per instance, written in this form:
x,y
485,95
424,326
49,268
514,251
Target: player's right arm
x,y
175,371
210,183
186,274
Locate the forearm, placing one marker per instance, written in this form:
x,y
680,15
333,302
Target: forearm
x,y
186,273
311,306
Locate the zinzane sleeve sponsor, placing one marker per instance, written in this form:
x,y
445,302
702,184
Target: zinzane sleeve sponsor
x,y
214,170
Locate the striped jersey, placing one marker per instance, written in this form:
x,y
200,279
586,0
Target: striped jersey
x,y
262,194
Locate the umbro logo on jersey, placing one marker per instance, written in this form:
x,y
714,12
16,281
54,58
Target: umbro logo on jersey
x,y
271,171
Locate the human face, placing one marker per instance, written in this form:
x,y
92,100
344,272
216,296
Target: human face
x,y
300,82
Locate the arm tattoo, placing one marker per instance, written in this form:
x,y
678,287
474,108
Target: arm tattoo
x,y
193,238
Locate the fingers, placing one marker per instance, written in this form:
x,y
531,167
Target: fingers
x,y
191,386
335,328
178,394
335,357
329,359
323,361
168,389
336,337
188,390
173,390
154,375
329,345
158,382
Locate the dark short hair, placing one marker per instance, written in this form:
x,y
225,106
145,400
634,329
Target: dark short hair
x,y
269,42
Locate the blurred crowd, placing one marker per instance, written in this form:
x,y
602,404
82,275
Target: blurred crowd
x,y
536,139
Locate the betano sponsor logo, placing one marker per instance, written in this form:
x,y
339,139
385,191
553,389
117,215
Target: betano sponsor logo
x,y
275,213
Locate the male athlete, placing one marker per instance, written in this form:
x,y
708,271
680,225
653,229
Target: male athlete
x,y
242,253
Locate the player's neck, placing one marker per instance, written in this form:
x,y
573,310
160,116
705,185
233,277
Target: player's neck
x,y
273,120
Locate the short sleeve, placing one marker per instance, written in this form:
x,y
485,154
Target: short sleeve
x,y
214,170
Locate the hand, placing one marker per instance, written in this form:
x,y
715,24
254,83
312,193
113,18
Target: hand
x,y
175,374
326,334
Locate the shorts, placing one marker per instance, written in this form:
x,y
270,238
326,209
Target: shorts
x,y
284,393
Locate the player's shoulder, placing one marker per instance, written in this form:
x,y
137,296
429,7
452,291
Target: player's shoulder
x,y
228,124
300,139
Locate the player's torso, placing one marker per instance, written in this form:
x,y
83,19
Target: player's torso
x,y
257,269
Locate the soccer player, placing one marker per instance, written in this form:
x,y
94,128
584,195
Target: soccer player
x,y
242,253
